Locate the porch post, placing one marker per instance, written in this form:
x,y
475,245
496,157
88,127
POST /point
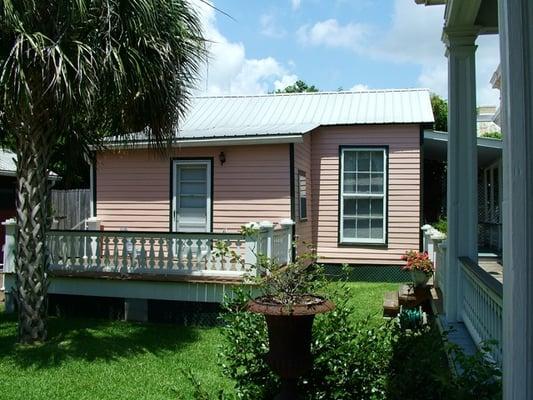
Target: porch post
x,y
516,46
462,162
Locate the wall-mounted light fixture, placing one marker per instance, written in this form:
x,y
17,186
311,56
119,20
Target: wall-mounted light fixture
x,y
222,158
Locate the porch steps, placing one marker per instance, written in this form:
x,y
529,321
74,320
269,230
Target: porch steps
x,y
391,305
406,296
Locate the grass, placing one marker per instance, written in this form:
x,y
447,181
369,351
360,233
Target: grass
x,y
99,359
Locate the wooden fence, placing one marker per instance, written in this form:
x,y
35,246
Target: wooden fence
x,y
71,207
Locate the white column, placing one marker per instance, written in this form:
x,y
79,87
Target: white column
x,y
462,163
516,44
267,229
287,225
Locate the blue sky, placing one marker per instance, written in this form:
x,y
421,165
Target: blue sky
x,y
353,44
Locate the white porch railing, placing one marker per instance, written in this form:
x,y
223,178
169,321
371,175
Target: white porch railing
x,y
482,306
481,297
160,253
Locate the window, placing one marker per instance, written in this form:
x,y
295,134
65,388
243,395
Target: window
x,y
302,196
363,200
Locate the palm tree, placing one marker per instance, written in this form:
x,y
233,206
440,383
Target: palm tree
x,y
83,69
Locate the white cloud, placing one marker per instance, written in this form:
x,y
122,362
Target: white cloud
x,y
270,28
332,34
286,80
228,70
360,87
296,4
414,37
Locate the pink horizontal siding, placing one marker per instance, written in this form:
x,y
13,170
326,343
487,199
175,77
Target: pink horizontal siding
x,y
403,192
253,185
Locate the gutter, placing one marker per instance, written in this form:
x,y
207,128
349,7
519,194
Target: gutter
x,y
224,141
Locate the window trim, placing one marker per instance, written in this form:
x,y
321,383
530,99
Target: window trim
x,y
299,174
363,242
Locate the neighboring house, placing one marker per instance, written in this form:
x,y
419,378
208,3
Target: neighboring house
x,y
487,120
7,192
490,187
344,166
8,172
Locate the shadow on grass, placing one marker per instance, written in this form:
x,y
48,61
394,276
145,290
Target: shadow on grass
x,y
419,368
90,340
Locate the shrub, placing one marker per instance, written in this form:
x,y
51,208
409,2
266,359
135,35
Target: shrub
x,y
244,349
441,225
350,358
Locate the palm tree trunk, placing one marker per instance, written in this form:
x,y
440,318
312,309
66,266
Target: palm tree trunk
x,y
33,153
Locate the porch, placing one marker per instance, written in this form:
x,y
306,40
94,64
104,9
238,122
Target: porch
x,y
480,303
178,266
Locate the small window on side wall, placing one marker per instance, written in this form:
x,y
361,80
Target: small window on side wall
x,y
363,196
302,196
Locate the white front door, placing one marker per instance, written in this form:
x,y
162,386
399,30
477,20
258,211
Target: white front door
x,y
191,203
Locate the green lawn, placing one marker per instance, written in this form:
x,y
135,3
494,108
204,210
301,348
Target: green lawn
x,y
98,359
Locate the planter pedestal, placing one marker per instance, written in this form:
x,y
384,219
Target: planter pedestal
x,y
289,338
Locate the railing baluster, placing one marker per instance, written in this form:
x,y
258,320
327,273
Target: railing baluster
x,y
170,254
161,255
116,265
142,256
188,246
151,254
107,255
198,254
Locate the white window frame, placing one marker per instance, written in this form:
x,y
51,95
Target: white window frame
x,y
384,196
175,164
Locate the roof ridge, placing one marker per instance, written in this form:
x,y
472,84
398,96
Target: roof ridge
x,y
342,92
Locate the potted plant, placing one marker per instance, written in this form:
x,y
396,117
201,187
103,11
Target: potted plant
x,y
420,267
289,304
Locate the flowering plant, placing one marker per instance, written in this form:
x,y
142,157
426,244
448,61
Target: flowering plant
x,y
418,261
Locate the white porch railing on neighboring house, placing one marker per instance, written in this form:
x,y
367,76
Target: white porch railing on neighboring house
x,y
161,253
482,306
481,298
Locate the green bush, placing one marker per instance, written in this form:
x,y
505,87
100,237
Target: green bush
x,y
350,358
354,358
244,349
441,225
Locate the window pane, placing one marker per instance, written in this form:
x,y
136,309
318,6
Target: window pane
x,y
193,174
349,228
363,228
303,208
376,207
192,214
350,159
349,182
377,229
192,202
363,207
377,161
363,183
377,183
363,161
193,188
350,207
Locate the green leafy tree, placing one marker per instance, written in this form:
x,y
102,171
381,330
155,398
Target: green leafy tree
x,y
298,87
70,71
440,112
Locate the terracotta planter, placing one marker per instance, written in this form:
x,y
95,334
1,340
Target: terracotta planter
x,y
419,278
289,338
